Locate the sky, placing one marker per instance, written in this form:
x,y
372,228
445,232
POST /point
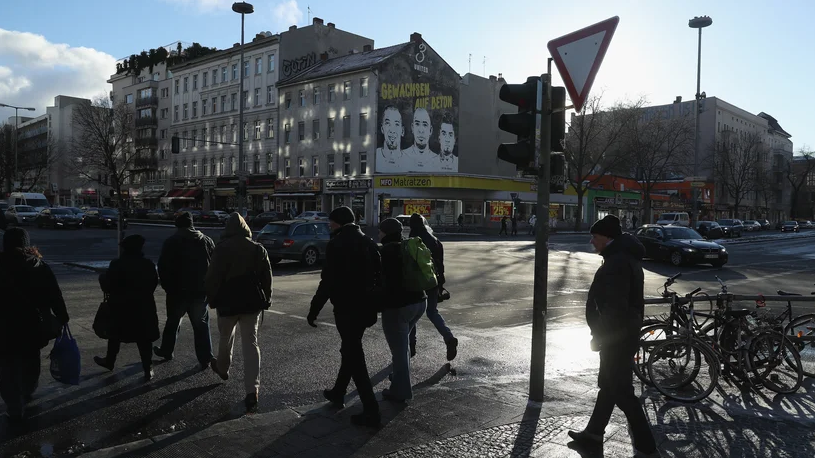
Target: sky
x,y
757,55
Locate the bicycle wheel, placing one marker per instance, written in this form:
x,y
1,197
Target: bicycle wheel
x,y
801,331
650,336
683,369
702,303
774,360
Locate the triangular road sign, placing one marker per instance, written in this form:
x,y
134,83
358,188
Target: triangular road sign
x,y
578,56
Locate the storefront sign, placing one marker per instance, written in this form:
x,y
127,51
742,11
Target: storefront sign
x,y
154,188
553,210
459,182
187,183
298,185
208,182
498,210
421,207
337,185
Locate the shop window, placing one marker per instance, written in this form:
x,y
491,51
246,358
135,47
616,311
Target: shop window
x,y
346,164
331,170
363,163
287,168
301,167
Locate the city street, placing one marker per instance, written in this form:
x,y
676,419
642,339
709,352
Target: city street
x,y
490,281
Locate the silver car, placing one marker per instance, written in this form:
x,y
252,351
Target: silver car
x,y
298,240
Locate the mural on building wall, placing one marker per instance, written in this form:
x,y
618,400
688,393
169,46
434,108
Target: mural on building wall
x,y
417,129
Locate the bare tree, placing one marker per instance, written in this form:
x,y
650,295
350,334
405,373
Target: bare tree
x,y
592,144
36,163
735,159
656,146
7,155
765,187
797,176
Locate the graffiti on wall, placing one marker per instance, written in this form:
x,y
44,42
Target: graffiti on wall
x,y
298,64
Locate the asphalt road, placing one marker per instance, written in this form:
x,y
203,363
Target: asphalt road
x,y
491,283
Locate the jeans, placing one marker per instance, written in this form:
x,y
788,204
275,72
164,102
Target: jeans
x,y
145,352
434,316
397,323
353,365
19,376
249,346
195,307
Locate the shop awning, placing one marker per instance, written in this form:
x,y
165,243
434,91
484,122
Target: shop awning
x,y
192,193
295,194
175,192
151,195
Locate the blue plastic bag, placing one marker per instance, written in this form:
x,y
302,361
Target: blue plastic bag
x,y
65,358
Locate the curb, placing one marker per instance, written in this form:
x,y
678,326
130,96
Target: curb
x,y
98,270
764,239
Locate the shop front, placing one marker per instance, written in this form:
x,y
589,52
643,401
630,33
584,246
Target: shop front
x,y
622,204
297,195
260,190
354,193
185,193
150,196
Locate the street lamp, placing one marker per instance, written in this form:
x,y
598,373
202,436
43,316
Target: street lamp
x,y
243,9
16,139
700,23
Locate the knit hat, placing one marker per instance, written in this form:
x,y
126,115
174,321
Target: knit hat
x,y
183,220
390,226
609,226
416,221
132,244
342,216
16,237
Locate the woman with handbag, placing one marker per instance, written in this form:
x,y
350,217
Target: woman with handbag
x,y
33,313
239,287
129,284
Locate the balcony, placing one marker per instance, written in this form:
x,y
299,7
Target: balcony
x,y
145,162
147,142
147,101
149,121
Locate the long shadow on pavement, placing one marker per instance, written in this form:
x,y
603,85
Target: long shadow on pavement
x,y
525,439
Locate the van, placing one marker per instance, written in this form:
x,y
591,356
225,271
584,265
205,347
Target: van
x,y
32,199
677,219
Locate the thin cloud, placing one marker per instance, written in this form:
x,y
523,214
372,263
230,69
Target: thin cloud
x,y
204,6
288,13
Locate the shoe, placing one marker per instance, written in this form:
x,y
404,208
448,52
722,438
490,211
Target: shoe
x,y
335,400
157,351
586,438
372,420
103,362
452,349
148,375
412,349
251,402
28,398
654,454
214,365
203,366
386,395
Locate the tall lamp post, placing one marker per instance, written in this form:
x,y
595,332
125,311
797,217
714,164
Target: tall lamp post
x,y
16,140
243,9
699,23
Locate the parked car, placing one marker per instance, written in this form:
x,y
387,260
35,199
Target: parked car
x,y
313,216
58,218
765,225
731,227
215,217
78,212
790,226
805,224
709,230
299,240
677,219
680,245
752,225
260,221
103,217
21,214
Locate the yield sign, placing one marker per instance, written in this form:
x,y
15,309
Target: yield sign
x,y
578,56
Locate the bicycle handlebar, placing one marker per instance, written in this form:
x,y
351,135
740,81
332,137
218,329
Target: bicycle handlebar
x,y
693,293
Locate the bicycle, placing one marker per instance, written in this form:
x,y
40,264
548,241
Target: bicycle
x,y
800,330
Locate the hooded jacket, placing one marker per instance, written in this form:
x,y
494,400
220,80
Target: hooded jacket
x,y
184,260
615,304
131,282
418,229
395,295
236,255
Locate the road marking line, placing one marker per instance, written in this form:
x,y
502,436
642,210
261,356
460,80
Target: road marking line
x,y
278,312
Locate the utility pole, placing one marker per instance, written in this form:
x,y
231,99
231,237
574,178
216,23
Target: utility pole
x,y
243,9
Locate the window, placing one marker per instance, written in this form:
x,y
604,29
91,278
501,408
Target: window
x,y
256,164
234,134
270,95
221,166
302,95
287,133
269,128
234,72
164,112
259,65
204,107
129,98
246,99
363,163
331,170
204,166
212,165
214,76
175,113
223,103
176,91
186,111
184,170
194,109
204,76
346,90
301,131
288,100
163,134
346,164
330,127
175,169
162,154
315,129
204,136
234,101
223,75
194,137
184,139
317,95
331,94
194,168
223,134
246,131
165,92
194,82
363,124
346,127
301,166
257,130
269,166
245,165
315,166
363,87
271,62
257,96
214,134
214,105
186,83
287,168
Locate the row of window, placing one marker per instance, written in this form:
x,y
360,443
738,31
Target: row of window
x,y
225,74
316,93
220,134
220,166
330,170
331,128
210,106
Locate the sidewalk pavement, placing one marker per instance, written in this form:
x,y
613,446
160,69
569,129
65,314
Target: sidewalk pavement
x,y
490,417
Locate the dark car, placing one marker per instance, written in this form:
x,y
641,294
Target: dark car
x,y
298,240
709,230
260,221
731,227
58,218
680,245
790,226
765,225
103,217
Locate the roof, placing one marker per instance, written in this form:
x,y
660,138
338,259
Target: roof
x,y
774,124
344,64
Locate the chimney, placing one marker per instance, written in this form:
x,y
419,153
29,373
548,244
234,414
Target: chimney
x,y
367,48
316,21
500,77
236,45
678,99
324,56
292,28
416,37
331,25
492,78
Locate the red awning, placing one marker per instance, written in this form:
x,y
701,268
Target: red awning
x,y
193,193
175,192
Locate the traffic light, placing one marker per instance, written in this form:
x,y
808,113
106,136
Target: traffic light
x,y
525,97
557,173
558,119
176,145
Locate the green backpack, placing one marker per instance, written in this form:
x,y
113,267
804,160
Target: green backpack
x,y
418,272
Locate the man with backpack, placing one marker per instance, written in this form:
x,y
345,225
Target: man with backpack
x,y
350,274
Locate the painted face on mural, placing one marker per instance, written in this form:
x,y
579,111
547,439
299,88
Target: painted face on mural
x,y
421,128
447,138
392,128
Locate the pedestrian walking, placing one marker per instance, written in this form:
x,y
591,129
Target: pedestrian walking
x,y
349,278
182,267
514,222
130,283
532,221
503,226
614,312
238,284
419,229
461,221
30,295
403,306
634,221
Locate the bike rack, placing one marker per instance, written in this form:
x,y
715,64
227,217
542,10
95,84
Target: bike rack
x,y
734,297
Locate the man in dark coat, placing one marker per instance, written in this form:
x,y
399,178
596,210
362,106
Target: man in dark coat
x,y
182,266
349,276
130,282
614,312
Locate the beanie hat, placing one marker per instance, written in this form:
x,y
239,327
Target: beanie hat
x,y
390,226
416,221
609,226
132,244
342,216
16,237
183,220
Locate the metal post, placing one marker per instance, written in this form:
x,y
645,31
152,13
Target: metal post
x,y
698,110
16,141
539,305
241,173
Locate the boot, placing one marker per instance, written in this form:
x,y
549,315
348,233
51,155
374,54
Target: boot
x,y
452,349
335,399
157,351
586,437
251,402
148,374
104,362
214,365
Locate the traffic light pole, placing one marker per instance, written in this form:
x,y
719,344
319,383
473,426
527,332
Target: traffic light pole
x,y
539,303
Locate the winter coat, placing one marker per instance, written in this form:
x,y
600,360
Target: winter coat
x,y
350,275
184,261
436,250
29,290
615,304
237,255
395,294
130,283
